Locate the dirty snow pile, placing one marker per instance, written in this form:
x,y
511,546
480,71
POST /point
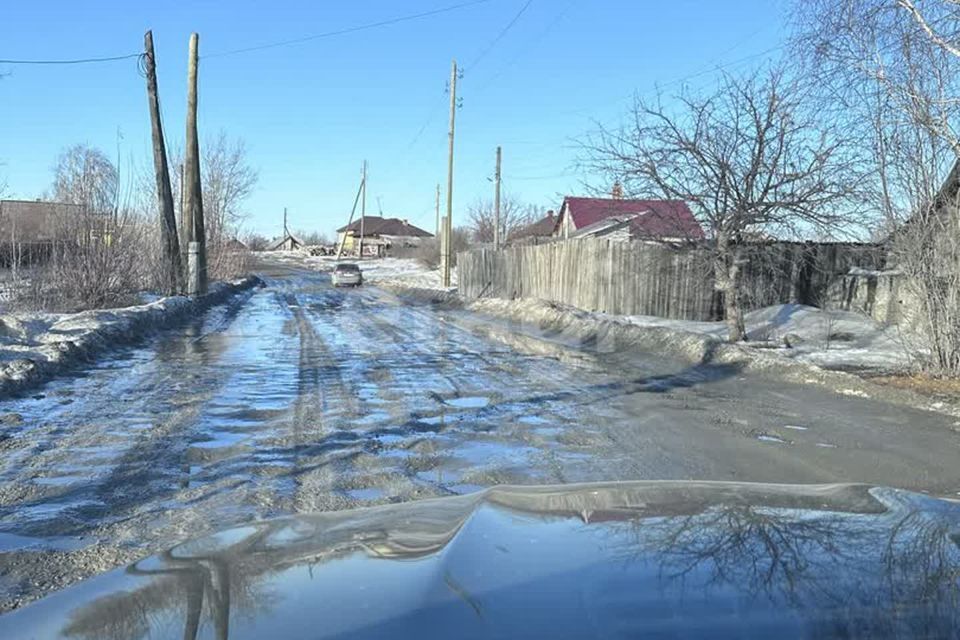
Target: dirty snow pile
x,y
35,346
830,339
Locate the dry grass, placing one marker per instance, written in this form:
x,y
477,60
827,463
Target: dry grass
x,y
939,388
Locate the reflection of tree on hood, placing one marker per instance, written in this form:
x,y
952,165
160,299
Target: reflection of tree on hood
x,y
208,580
186,589
841,561
762,551
905,563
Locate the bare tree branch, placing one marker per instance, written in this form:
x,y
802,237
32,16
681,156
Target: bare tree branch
x,y
748,158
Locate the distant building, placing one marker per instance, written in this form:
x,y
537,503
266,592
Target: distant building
x,y
664,220
380,235
537,232
35,221
29,229
288,242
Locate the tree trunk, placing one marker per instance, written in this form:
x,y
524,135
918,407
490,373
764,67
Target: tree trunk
x,y
173,270
726,273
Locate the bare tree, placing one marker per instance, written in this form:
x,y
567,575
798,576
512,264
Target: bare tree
x,y
514,216
85,175
256,241
892,67
747,158
939,20
228,180
314,238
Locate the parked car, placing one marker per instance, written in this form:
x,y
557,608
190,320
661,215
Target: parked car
x,y
347,274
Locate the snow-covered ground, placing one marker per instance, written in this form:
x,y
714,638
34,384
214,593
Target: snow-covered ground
x,y
405,272
831,339
36,346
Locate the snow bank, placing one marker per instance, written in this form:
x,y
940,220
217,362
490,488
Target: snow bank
x,y
36,347
831,339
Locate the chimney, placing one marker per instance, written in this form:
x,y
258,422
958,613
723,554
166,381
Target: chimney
x,y
550,214
617,191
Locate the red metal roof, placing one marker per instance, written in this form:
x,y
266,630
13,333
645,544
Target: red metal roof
x,y
665,218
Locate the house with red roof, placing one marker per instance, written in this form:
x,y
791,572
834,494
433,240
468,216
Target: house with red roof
x,y
662,220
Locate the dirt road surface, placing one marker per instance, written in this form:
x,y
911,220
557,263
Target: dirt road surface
x,y
300,397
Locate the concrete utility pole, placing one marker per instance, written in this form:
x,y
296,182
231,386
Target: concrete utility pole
x,y
448,222
363,205
496,205
438,211
286,234
183,237
193,211
173,267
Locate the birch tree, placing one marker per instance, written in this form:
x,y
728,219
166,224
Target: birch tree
x,y
891,71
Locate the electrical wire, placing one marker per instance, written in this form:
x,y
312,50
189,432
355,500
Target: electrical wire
x,y
436,109
503,32
340,32
76,61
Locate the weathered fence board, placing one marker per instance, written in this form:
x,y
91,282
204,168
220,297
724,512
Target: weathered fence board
x,y
641,278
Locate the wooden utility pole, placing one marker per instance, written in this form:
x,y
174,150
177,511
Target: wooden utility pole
x,y
343,239
173,267
448,223
193,209
363,206
496,205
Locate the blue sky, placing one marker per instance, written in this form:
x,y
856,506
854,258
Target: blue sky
x,y
310,113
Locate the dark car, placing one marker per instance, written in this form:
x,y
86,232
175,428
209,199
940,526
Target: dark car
x,y
614,560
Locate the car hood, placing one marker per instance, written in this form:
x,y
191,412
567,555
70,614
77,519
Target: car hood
x,y
670,559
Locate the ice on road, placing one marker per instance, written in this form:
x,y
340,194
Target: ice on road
x,y
301,397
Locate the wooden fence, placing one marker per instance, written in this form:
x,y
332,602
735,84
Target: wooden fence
x,y
642,278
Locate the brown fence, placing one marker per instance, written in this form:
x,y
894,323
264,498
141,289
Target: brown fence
x,y
639,278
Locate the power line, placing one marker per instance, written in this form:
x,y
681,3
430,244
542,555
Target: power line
x,y
76,61
436,109
340,32
503,32
530,44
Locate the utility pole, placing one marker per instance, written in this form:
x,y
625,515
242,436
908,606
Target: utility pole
x,y
343,238
173,267
448,222
363,205
183,237
193,211
286,234
496,205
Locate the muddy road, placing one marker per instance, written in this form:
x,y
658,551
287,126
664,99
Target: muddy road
x,y
299,397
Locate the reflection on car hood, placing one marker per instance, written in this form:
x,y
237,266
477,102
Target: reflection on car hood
x,y
646,559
